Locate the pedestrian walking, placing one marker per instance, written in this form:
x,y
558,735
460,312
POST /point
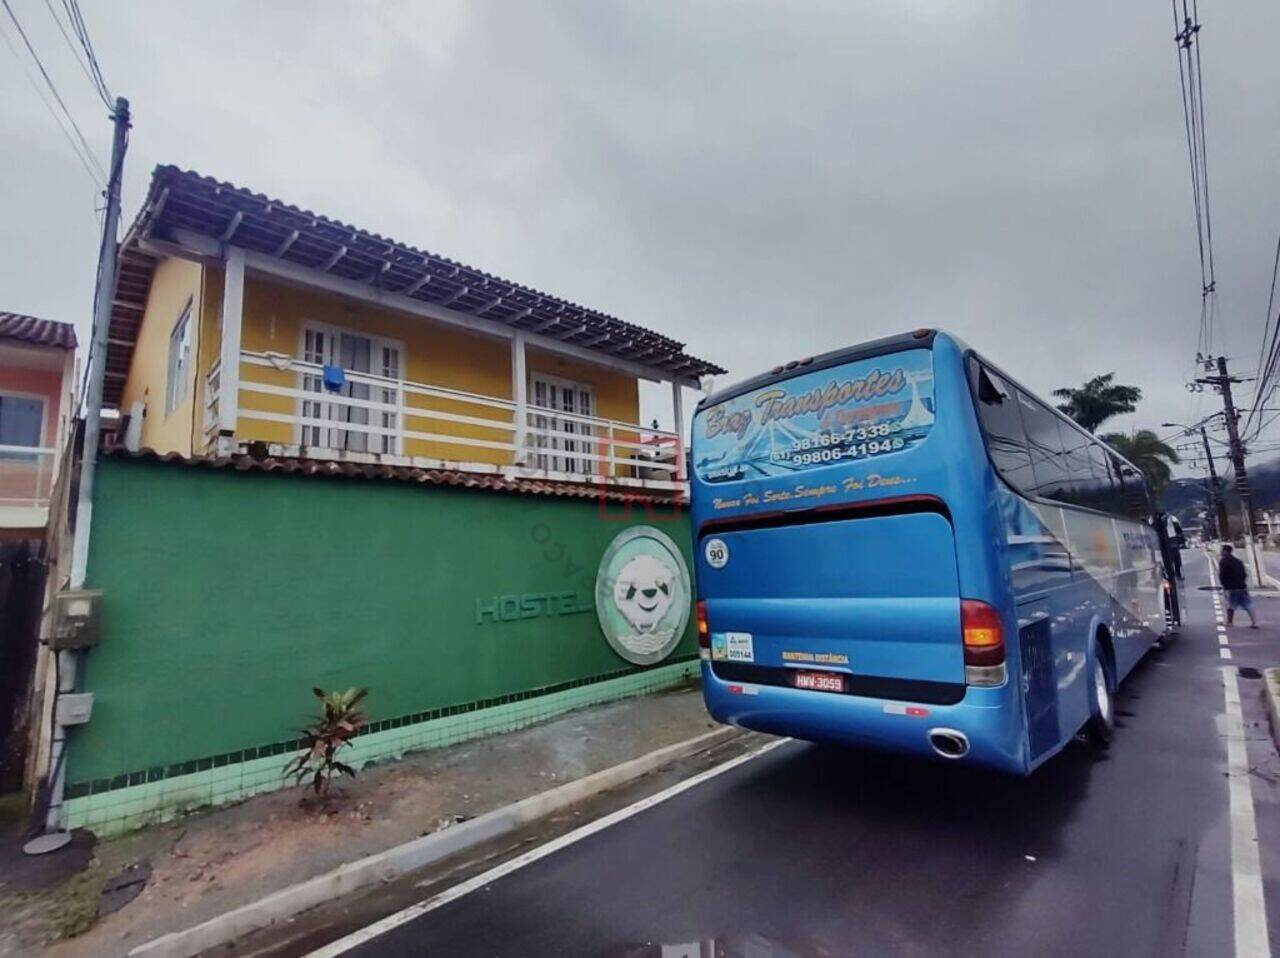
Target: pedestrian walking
x,y
1235,582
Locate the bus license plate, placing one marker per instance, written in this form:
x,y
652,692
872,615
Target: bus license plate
x,y
820,681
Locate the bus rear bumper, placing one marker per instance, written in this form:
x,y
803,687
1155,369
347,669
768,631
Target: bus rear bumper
x,y
986,719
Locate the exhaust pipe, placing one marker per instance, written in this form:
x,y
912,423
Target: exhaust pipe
x,y
949,743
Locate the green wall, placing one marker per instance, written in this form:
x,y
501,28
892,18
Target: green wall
x,y
228,595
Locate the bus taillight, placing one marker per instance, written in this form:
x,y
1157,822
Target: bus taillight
x,y
983,643
704,630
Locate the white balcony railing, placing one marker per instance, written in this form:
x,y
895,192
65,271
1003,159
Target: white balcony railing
x,y
388,419
26,484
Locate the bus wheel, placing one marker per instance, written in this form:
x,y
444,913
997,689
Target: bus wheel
x,y
1102,719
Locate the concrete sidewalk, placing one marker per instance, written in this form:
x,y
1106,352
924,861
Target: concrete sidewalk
x,y
211,863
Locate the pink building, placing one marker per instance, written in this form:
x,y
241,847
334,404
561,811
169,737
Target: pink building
x,y
37,385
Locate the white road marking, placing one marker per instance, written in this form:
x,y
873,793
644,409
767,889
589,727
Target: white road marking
x,y
1222,640
1249,908
1224,653
357,938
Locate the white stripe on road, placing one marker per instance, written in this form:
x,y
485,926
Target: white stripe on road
x,y
357,938
1249,909
1224,653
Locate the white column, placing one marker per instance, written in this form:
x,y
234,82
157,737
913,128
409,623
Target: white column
x,y
520,395
677,406
229,377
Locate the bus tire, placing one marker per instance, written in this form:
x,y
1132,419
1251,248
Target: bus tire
x,y
1101,727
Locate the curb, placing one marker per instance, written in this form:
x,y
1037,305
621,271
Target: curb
x,y
394,862
1271,691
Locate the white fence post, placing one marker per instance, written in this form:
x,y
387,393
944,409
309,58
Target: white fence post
x,y
519,393
677,406
229,374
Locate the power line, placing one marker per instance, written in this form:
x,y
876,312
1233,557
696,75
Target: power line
x,y
72,7
86,161
88,150
1204,149
71,44
1191,85
1271,348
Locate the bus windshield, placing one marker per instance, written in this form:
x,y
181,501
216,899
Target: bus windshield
x,y
858,410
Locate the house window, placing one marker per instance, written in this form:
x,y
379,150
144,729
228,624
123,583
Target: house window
x,y
345,425
555,436
21,424
179,361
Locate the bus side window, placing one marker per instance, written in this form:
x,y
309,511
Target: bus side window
x,y
1002,423
1082,485
1053,479
1107,487
1136,504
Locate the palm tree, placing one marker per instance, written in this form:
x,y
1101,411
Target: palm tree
x,y
1145,450
1097,401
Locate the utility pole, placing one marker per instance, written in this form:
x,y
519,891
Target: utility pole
x,y
1223,382
1215,486
104,294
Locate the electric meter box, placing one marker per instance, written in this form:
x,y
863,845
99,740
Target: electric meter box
x,y
77,619
74,708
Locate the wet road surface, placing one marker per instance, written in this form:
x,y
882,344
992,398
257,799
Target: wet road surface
x,y
809,850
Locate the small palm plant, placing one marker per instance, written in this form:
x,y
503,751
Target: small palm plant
x,y
332,729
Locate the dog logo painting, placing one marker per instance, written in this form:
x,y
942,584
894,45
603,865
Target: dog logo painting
x,y
643,595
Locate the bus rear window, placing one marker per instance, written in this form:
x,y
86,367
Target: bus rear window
x,y
860,410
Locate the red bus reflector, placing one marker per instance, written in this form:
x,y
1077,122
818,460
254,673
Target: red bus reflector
x,y
917,711
704,630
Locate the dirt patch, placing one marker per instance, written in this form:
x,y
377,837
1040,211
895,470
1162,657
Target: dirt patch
x,y
33,921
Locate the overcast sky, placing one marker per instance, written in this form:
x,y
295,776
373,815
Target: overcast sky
x,y
764,181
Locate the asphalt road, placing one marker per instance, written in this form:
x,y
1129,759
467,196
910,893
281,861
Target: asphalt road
x,y
810,850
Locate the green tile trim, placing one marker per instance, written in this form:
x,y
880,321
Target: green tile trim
x,y
126,802
129,779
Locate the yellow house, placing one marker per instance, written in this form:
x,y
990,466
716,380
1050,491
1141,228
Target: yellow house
x,y
245,326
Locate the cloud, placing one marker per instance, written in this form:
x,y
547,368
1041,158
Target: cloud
x,y
762,180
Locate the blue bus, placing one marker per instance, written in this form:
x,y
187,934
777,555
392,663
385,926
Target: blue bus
x,y
898,547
